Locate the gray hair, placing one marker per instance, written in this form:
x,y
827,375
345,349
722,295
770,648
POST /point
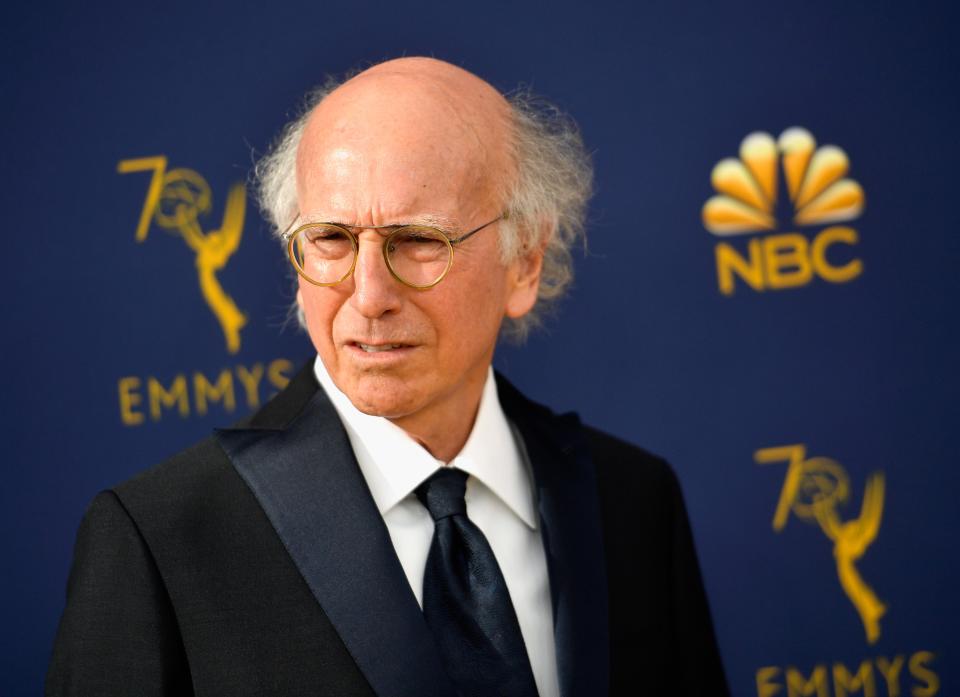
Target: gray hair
x,y
547,203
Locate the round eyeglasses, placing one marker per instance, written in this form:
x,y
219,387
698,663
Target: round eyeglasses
x,y
418,256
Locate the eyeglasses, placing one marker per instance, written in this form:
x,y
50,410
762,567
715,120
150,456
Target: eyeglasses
x,y
418,256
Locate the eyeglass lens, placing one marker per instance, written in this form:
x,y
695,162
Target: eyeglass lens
x,y
418,256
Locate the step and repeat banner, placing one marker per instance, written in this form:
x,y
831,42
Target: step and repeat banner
x,y
768,296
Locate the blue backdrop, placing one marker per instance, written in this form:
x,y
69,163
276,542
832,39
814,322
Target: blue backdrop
x,y
810,410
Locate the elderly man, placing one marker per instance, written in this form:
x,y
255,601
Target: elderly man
x,y
398,521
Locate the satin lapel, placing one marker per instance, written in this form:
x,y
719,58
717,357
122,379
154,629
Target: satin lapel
x,y
573,539
308,483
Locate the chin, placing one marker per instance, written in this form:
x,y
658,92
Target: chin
x,y
382,396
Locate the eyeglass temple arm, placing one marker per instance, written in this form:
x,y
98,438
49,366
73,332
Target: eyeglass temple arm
x,y
285,235
467,235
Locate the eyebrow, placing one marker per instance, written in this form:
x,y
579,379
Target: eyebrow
x,y
437,221
440,222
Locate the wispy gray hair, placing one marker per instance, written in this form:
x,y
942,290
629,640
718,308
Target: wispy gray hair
x,y
547,203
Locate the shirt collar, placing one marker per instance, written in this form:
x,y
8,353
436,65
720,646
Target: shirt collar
x,y
394,464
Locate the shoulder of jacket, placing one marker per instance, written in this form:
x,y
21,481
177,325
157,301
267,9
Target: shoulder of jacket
x,y
615,459
187,481
618,459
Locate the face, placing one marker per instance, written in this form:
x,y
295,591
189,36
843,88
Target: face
x,y
393,149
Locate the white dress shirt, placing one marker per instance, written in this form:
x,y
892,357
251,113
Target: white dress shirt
x,y
499,500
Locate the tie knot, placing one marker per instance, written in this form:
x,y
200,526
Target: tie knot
x,y
442,494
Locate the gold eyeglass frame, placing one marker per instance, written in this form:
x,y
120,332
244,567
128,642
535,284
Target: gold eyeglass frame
x,y
290,237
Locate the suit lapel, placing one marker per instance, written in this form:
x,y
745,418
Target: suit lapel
x,y
569,508
297,460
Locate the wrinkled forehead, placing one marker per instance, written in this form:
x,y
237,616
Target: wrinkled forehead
x,y
439,125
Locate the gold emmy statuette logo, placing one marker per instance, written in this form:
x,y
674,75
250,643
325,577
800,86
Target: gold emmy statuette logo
x,y
813,489
746,204
175,201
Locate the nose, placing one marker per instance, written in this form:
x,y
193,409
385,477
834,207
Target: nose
x,y
375,291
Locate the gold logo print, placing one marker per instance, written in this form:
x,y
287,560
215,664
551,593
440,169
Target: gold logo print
x,y
813,489
175,201
747,186
743,214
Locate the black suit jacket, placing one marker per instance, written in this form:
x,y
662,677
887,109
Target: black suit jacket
x,y
256,563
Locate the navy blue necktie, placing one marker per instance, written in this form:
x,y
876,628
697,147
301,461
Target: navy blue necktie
x,y
465,599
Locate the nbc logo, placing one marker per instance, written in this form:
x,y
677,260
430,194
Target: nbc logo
x,y
819,194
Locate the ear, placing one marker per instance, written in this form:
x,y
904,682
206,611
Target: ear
x,y
523,279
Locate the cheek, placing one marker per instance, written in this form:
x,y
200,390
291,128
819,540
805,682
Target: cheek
x,y
472,323
319,306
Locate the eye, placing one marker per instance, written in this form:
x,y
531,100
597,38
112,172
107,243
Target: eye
x,y
316,244
416,244
324,233
419,237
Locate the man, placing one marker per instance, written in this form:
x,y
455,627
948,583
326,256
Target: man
x,y
397,521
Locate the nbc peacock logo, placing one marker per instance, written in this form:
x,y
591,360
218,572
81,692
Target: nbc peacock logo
x,y
747,207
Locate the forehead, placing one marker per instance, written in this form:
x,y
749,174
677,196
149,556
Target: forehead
x,y
385,147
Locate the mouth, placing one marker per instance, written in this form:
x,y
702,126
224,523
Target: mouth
x,y
377,348
386,349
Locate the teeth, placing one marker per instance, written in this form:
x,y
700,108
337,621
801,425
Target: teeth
x,y
375,349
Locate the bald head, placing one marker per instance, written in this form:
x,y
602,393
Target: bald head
x,y
473,100
400,135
